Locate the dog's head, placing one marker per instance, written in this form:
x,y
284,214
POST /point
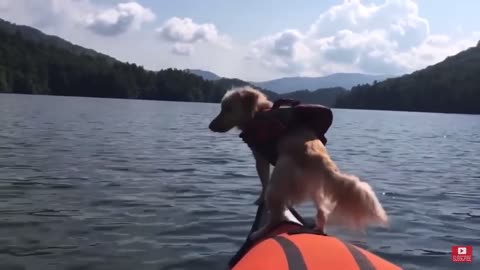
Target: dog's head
x,y
239,106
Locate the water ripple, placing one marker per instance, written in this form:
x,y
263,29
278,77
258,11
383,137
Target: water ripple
x,y
124,184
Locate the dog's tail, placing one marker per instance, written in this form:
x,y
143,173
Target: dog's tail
x,y
356,205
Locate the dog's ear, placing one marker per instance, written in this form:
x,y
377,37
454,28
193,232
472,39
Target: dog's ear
x,y
250,101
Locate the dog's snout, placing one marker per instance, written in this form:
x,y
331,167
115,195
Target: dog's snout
x,y
212,125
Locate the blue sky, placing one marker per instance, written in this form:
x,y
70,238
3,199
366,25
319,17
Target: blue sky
x,y
261,40
243,18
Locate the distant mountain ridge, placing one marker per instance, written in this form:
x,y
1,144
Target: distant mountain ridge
x,y
206,75
290,84
323,96
34,63
344,80
281,86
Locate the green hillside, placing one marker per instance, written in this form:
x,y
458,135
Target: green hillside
x,y
451,86
34,63
42,66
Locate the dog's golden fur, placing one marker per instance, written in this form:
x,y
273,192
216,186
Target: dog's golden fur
x,y
304,171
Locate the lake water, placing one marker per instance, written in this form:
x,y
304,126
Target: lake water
x,y
126,184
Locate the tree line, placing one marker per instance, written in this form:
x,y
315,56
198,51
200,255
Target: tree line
x,y
34,67
451,86
30,67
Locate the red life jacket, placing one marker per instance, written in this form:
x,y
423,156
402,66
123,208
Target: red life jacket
x,y
264,131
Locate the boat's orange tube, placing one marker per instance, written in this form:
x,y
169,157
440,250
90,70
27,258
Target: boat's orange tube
x,y
308,251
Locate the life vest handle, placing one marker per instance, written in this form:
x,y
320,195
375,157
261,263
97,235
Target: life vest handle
x,y
285,102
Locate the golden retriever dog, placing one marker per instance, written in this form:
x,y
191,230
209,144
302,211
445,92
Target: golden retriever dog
x,y
303,172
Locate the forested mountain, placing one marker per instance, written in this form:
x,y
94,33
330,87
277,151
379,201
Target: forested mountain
x,y
34,64
32,34
451,86
324,96
41,66
206,75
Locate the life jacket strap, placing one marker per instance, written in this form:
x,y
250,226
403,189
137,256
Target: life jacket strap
x,y
306,230
285,102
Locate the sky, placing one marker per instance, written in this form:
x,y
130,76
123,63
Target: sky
x,y
261,40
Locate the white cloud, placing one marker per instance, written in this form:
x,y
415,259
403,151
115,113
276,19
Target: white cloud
x,y
184,31
435,48
387,38
85,14
399,19
42,14
182,49
117,20
286,51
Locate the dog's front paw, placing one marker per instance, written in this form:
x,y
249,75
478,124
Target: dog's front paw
x,y
319,230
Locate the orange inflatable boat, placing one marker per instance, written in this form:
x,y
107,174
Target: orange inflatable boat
x,y
292,245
